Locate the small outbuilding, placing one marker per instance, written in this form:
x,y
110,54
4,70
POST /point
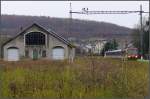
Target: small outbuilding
x,y
35,42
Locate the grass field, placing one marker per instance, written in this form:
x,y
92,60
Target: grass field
x,y
87,77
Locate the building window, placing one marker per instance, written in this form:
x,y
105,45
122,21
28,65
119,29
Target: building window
x,y
44,53
40,51
26,53
35,38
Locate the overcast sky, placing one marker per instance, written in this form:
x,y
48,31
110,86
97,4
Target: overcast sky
x,y
61,9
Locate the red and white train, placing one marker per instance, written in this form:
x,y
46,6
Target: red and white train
x,y
130,53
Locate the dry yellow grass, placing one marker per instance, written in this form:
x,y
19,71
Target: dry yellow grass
x,y
86,77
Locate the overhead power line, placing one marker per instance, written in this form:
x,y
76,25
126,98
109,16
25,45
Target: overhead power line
x,y
88,12
107,12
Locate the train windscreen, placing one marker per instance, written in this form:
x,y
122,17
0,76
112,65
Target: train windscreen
x,y
132,51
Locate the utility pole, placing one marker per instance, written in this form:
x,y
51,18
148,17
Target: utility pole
x,y
141,36
88,12
149,48
0,36
70,22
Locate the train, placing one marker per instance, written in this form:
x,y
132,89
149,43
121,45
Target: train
x,y
129,53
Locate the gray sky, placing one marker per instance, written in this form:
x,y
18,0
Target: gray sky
x,y
61,9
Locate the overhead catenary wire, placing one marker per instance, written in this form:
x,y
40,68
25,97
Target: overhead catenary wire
x,y
86,11
107,12
90,12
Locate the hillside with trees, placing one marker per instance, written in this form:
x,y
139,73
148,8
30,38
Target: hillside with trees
x,y
11,24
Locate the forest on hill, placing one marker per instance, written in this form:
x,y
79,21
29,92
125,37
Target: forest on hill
x,y
11,25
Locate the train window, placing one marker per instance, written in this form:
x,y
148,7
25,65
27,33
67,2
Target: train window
x,y
132,51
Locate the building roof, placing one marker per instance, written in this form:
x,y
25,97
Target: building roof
x,y
51,32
